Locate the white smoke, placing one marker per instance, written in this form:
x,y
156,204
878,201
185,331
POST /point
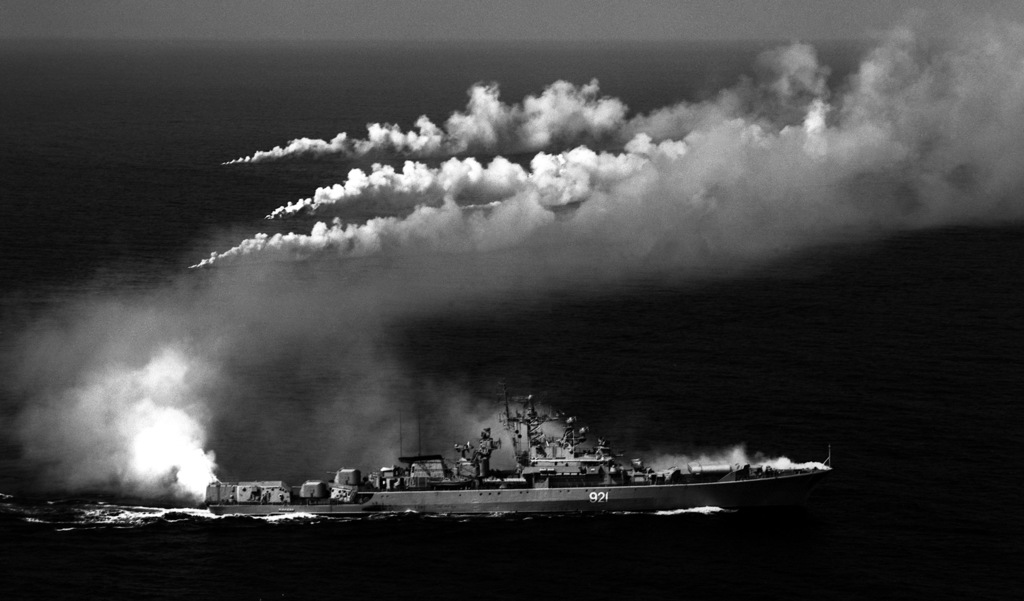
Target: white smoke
x,y
129,395
133,428
385,189
918,137
733,456
565,115
556,180
562,113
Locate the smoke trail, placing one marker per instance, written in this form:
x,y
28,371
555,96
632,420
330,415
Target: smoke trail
x,y
563,114
384,189
556,179
916,138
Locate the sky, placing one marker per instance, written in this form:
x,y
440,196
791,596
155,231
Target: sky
x,y
568,20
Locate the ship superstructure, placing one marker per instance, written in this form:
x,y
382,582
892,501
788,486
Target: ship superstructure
x,y
552,473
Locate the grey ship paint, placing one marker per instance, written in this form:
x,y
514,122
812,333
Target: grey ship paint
x,y
552,474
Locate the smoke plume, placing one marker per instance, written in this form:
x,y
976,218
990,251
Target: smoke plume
x,y
136,427
565,115
733,456
286,342
916,138
285,374
561,114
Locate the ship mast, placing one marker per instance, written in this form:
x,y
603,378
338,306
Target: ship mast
x,y
516,422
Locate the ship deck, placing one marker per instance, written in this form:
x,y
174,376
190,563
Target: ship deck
x,y
775,491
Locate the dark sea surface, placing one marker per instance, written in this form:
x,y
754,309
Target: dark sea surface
x,y
904,354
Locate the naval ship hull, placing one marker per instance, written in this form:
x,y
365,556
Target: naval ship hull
x,y
780,491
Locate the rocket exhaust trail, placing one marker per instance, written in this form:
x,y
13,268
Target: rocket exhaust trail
x,y
915,138
562,113
919,136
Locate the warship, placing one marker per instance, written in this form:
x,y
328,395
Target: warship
x,y
552,474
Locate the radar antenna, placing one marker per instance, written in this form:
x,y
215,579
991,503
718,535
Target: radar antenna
x,y
519,422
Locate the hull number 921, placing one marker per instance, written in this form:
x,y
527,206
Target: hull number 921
x,y
599,496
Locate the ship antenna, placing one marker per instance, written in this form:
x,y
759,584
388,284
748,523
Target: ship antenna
x,y
504,392
828,460
401,447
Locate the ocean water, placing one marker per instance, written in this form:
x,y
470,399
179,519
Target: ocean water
x,y
901,350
